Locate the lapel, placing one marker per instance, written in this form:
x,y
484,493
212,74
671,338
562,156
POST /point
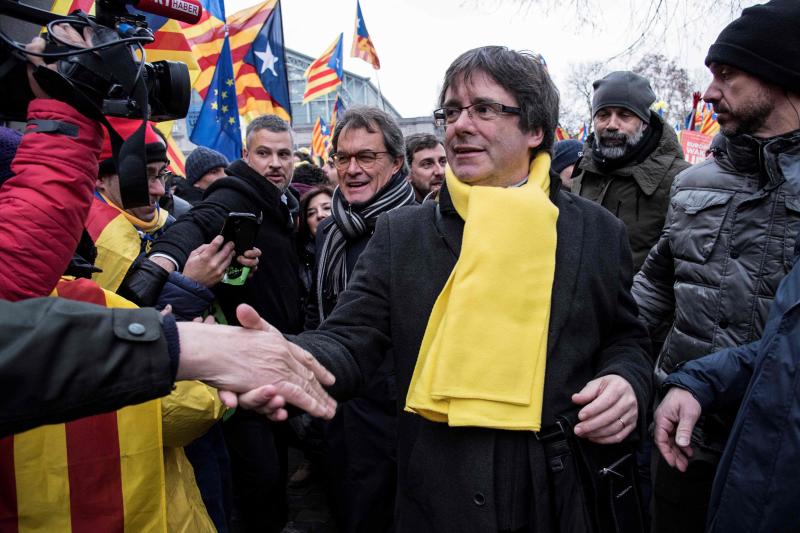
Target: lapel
x,y
448,223
569,248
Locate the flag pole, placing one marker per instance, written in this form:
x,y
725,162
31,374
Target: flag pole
x,y
380,93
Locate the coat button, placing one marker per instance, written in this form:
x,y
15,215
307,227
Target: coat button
x,y
135,328
479,499
734,254
723,324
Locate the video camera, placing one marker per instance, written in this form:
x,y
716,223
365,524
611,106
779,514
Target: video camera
x,y
111,78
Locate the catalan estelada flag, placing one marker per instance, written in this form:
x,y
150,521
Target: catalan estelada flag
x,y
100,473
320,139
338,109
325,74
709,126
245,30
263,75
362,44
561,134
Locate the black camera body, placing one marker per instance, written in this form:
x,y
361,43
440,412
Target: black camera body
x,y
104,80
97,76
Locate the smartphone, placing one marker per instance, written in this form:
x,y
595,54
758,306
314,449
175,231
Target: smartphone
x,y
241,229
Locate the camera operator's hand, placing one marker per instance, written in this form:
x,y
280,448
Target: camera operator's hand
x,y
63,32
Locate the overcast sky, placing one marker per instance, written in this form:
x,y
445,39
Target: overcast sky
x,y
417,39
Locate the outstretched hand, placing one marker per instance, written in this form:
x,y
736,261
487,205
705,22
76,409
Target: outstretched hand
x,y
255,367
611,410
675,419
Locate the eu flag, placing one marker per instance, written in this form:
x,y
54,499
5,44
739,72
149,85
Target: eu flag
x,y
268,57
217,125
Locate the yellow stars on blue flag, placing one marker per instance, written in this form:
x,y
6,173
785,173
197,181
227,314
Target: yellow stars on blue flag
x,y
217,125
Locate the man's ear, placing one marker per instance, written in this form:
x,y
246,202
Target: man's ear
x,y
398,164
535,138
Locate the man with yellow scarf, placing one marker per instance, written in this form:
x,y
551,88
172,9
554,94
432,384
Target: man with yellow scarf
x,y
523,315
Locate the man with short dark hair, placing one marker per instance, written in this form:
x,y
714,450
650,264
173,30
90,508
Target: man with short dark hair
x,y
493,328
255,184
726,248
630,160
426,161
368,154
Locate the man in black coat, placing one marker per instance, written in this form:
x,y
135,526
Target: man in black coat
x,y
256,184
499,109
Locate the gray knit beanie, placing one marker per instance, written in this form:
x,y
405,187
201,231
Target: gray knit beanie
x,y
202,160
624,89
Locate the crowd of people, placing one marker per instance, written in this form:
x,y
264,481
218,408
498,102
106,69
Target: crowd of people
x,y
522,335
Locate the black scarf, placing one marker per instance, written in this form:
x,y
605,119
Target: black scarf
x,y
351,222
636,153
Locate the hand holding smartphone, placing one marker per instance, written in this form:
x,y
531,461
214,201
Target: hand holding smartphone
x,y
241,229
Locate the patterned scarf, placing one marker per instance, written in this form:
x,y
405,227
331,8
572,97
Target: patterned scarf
x,y
351,222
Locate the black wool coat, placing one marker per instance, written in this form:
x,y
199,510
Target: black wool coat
x,y
446,476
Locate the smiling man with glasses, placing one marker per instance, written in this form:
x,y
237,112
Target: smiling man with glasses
x,y
501,307
369,157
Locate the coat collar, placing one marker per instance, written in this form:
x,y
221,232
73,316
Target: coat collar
x,y
569,248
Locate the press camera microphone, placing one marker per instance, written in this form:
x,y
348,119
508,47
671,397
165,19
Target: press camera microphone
x,y
188,11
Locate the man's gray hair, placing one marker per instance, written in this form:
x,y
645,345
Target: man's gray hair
x,y
523,75
271,123
373,120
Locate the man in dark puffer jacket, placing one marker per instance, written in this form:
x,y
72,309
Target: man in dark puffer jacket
x,y
729,235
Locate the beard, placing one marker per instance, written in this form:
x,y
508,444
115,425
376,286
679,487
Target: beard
x,y
615,144
749,118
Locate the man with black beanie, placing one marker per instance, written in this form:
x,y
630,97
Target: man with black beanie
x,y
728,242
630,160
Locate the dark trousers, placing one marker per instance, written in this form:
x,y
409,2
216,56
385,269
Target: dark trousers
x,y
259,464
680,499
361,465
212,471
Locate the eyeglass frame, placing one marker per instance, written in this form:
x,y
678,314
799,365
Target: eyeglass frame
x,y
337,158
162,175
440,120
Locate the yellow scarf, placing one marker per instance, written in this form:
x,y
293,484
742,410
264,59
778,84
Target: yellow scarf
x,y
156,223
482,359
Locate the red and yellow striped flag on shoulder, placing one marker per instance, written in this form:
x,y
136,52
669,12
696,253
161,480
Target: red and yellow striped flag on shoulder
x,y
65,7
100,473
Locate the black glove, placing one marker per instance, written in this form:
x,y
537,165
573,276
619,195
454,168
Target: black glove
x,y
143,282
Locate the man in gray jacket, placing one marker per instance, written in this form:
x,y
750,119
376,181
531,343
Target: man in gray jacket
x,y
630,160
729,235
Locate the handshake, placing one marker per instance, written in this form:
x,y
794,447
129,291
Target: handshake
x,y
254,367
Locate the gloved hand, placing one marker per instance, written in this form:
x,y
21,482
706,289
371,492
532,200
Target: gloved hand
x,y
143,283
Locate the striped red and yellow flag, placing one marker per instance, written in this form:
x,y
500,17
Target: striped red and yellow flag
x,y
709,125
65,7
320,139
325,74
206,38
561,134
177,161
100,473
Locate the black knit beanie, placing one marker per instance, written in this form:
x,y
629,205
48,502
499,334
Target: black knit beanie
x,y
764,42
624,89
201,161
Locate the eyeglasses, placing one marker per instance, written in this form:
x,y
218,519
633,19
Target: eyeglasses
x,y
480,111
162,175
365,159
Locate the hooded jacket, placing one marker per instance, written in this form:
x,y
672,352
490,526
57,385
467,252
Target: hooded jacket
x,y
637,192
274,289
